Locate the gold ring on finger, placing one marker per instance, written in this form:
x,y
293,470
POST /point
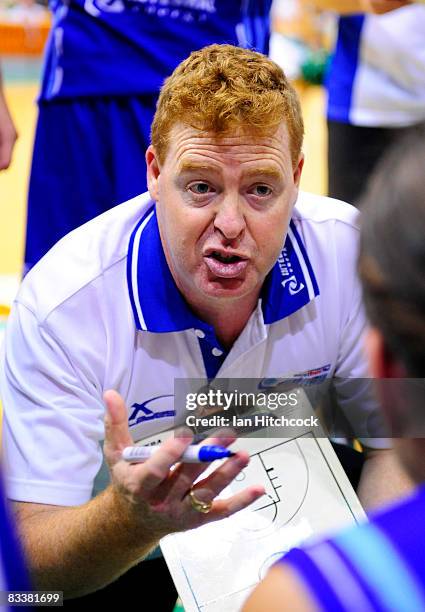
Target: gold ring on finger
x,y
198,505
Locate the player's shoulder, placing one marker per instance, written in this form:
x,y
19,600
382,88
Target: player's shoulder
x,y
82,256
324,213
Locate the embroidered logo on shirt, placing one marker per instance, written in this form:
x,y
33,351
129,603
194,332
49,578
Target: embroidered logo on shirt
x,y
313,376
149,410
286,269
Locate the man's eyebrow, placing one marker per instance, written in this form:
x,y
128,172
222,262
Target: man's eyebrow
x,y
266,171
260,171
191,166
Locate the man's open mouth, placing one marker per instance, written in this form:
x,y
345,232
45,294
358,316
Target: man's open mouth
x,y
225,265
225,258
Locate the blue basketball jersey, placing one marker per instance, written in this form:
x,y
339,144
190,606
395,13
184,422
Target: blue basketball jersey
x,y
123,47
376,567
377,73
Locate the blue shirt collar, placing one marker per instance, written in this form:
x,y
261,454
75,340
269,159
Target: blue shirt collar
x,y
159,307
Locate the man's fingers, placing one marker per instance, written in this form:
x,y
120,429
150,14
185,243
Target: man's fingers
x,y
222,508
239,501
156,471
158,466
211,486
117,433
187,473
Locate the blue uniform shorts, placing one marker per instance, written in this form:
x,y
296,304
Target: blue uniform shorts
x,y
89,155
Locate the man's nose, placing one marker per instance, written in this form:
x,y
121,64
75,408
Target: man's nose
x,y
229,218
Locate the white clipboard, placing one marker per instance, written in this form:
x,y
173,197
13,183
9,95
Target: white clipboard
x,y
308,495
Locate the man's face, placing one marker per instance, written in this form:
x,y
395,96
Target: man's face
x,y
223,209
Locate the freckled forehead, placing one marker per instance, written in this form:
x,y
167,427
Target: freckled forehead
x,y
187,142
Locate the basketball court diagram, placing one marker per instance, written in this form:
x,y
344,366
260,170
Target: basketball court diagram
x,y
306,495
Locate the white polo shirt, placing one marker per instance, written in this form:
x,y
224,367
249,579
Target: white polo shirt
x,y
101,310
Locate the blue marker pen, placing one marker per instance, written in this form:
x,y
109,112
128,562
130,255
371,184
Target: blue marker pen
x,y
193,454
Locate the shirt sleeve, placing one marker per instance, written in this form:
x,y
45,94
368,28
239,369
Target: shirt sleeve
x,y
53,415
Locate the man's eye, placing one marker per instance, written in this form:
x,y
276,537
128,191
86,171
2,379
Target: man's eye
x,y
200,188
262,190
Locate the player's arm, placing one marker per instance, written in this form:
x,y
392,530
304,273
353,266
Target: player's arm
x,y
347,7
77,549
8,134
81,549
280,591
53,410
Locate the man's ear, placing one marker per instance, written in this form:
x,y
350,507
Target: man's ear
x,y
298,170
382,363
153,172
